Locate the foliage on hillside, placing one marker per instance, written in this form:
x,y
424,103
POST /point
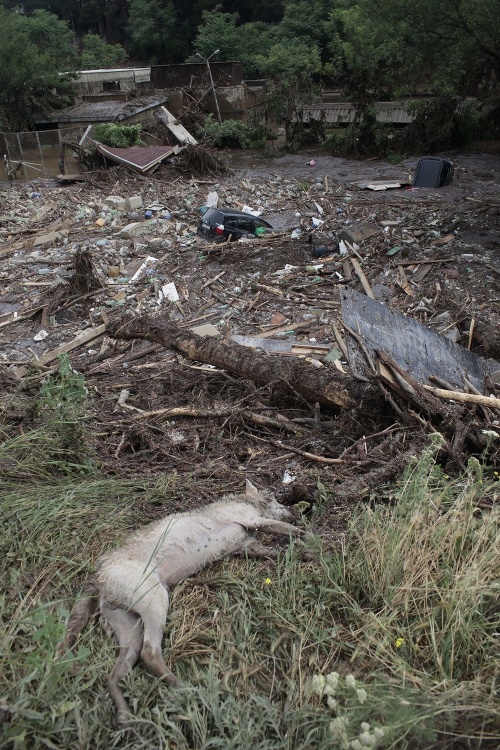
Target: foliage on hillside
x,y
370,49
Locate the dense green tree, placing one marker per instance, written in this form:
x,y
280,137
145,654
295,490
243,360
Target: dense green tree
x,y
30,79
153,33
97,54
399,44
221,30
291,85
52,37
382,48
218,30
265,11
305,20
108,18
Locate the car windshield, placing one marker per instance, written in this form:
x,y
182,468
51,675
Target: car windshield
x,y
213,216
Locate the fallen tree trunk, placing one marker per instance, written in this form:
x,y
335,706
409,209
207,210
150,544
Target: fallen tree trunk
x,y
322,386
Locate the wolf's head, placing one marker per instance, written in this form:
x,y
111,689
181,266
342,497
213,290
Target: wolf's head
x,y
269,507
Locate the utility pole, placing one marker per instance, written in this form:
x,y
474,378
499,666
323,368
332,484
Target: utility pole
x,y
206,59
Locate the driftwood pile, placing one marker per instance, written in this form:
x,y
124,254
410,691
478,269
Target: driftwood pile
x,y
463,418
201,161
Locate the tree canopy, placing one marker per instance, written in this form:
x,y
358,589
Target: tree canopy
x,y
368,48
97,54
33,51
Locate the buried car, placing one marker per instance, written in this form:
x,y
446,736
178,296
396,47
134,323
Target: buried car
x,y
227,223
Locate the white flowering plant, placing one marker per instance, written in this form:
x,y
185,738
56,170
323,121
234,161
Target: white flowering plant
x,y
366,716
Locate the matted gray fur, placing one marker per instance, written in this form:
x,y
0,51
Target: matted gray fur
x,y
132,583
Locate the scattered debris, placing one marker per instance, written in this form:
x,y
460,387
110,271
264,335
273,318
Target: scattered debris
x,y
201,161
251,341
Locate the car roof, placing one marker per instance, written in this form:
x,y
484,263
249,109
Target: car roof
x,y
237,213
234,212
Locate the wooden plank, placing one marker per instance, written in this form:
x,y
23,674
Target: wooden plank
x,y
83,338
361,276
268,345
288,327
176,128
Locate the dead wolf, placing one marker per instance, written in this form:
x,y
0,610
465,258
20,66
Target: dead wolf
x,y
132,583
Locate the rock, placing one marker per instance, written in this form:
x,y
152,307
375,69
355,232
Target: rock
x,y
116,202
134,202
52,237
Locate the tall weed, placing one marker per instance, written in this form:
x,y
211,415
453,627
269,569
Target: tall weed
x,y
387,642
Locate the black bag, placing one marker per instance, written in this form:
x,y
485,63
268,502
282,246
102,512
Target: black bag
x,y
433,172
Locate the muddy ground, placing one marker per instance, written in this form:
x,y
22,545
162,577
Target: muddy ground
x,y
249,288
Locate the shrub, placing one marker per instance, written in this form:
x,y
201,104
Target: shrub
x,y
118,136
234,134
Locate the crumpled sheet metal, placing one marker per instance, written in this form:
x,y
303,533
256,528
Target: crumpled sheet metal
x,y
416,348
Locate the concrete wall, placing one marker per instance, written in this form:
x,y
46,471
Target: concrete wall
x,y
91,82
193,74
234,101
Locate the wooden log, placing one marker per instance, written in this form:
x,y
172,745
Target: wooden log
x,y
361,276
322,386
466,398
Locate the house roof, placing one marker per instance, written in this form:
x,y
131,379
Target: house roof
x,y
99,73
139,158
106,111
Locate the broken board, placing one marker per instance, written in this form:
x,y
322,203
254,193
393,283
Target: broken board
x,y
380,184
414,347
279,346
175,127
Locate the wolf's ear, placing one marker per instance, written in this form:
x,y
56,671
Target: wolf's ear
x,y
251,491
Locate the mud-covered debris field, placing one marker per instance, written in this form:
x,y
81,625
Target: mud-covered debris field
x,y
83,261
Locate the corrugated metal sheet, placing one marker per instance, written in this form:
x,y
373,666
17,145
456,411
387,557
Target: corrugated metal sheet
x,y
343,113
106,111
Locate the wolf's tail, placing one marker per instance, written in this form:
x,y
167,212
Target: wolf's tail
x,y
81,613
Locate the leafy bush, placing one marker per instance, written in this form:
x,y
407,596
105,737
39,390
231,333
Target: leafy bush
x,y
118,136
234,134
470,124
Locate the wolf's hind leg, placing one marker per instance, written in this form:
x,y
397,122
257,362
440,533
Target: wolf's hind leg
x,y
152,605
127,627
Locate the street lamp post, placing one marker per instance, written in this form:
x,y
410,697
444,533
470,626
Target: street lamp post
x,y
212,80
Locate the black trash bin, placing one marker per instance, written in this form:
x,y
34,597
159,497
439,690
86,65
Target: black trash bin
x,y
433,172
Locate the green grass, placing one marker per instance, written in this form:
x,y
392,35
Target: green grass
x,y
390,641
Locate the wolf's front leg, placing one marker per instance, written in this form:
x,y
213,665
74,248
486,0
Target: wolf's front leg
x,y
254,548
277,528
